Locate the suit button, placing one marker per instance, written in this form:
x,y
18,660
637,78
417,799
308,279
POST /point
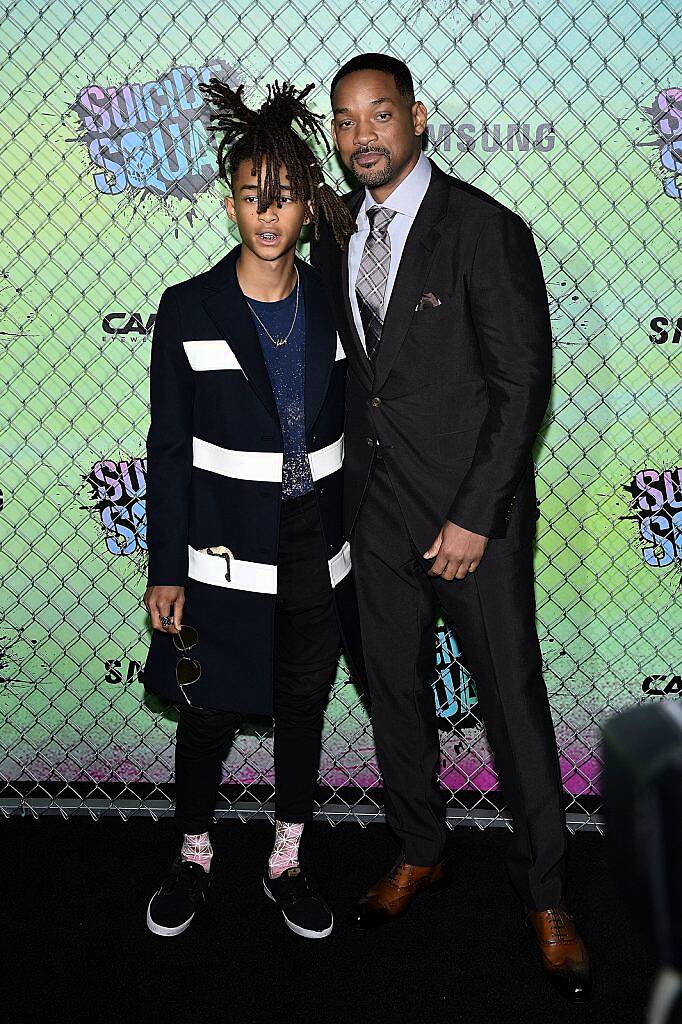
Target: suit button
x,y
375,402
370,441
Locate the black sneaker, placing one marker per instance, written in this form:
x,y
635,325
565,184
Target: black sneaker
x,y
304,910
178,898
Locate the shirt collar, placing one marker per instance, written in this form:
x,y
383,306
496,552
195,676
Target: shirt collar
x,y
406,198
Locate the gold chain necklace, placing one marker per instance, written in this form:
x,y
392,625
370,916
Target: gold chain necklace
x,y
280,339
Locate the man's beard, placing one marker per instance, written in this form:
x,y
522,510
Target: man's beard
x,y
374,179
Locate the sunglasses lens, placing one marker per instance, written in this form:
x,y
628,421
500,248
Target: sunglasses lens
x,y
187,671
189,635
186,638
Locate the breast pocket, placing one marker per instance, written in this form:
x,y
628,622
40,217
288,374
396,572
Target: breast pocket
x,y
210,354
429,316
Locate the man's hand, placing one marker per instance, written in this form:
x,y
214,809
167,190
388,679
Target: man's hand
x,y
457,552
159,600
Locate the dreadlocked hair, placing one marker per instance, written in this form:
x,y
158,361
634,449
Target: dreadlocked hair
x,y
268,134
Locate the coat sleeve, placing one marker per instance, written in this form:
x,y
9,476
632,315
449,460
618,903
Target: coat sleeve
x,y
508,302
169,449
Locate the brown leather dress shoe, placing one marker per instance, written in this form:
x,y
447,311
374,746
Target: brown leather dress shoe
x,y
391,895
564,955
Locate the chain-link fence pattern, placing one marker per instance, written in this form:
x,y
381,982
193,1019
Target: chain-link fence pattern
x,y
570,114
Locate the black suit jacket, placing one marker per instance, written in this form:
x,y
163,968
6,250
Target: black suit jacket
x,y
459,390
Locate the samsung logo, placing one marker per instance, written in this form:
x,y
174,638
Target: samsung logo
x,y
511,136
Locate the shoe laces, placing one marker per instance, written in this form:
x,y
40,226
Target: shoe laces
x,y
184,875
407,883
393,873
560,926
296,886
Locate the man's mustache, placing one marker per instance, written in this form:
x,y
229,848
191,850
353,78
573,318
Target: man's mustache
x,y
365,151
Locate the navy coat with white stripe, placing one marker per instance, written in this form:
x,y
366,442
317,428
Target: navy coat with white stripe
x,y
214,480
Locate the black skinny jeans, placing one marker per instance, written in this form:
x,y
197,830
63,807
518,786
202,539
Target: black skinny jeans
x,y
306,652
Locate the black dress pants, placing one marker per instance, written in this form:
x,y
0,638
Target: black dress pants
x,y
307,645
492,612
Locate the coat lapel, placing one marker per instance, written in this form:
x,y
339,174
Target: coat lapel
x,y
415,263
225,304
320,351
361,361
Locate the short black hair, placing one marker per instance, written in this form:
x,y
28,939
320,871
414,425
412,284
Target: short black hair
x,y
378,62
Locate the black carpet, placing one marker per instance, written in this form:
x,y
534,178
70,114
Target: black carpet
x,y
77,949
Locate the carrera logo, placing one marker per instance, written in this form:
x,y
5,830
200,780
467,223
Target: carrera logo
x,y
128,323
662,686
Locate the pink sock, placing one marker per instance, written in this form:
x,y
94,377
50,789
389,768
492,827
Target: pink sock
x,y
198,849
285,852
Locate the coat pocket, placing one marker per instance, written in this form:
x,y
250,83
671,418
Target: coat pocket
x,y
456,445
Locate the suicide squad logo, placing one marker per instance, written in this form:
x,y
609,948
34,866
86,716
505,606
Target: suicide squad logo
x,y
666,121
453,687
118,490
18,665
151,138
657,508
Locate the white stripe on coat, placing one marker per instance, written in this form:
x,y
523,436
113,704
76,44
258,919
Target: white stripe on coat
x,y
326,461
211,354
340,354
216,354
262,466
237,464
256,577
339,565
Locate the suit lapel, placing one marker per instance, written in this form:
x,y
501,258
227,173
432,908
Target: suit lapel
x,y
320,351
415,263
225,304
354,201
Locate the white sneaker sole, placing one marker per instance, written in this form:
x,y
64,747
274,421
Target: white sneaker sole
x,y
160,929
296,928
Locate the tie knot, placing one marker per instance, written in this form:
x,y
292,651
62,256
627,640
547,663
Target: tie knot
x,y
379,218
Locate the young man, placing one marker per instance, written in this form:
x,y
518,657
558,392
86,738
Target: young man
x,y
443,315
248,569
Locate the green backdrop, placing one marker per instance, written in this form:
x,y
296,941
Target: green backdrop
x,y
570,115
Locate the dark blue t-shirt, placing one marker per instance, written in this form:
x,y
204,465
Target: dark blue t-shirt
x,y
286,366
